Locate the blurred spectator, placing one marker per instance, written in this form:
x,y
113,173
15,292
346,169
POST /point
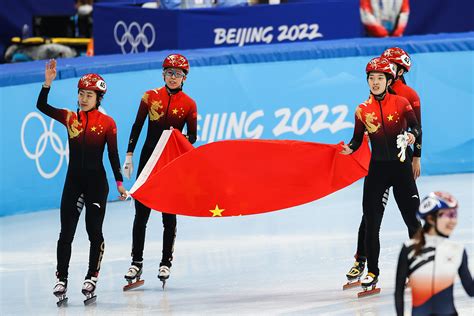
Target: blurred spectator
x,y
84,18
383,18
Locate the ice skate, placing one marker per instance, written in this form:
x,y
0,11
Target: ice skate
x,y
59,290
369,285
354,275
88,289
164,274
133,276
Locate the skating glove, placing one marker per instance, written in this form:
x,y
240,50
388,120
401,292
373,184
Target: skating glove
x,y
128,167
402,144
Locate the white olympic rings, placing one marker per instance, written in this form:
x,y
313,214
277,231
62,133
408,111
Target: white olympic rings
x,y
134,40
48,135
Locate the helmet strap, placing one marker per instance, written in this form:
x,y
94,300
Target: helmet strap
x,y
173,91
77,112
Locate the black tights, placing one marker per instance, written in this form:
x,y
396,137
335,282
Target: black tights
x,y
383,175
89,188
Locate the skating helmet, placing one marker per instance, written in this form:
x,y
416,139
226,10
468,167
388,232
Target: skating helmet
x,y
398,56
176,61
379,64
436,201
92,82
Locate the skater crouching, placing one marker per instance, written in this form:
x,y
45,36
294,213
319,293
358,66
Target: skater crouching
x,y
86,184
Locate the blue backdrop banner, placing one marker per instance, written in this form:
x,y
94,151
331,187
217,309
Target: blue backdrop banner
x,y
124,28
308,99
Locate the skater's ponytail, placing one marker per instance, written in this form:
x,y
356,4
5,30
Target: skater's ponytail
x,y
420,238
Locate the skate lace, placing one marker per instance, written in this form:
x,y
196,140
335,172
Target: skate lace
x,y
133,270
60,286
164,270
89,285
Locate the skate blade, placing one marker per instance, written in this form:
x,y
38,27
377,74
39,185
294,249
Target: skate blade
x,y
62,302
133,285
368,292
350,285
91,300
163,283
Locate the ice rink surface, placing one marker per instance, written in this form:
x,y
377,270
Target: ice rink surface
x,y
290,262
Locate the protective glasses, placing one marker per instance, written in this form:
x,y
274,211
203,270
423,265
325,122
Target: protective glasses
x,y
448,213
173,72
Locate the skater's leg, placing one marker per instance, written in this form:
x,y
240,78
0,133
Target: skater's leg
x,y
70,212
169,236
361,253
96,202
374,189
142,214
406,195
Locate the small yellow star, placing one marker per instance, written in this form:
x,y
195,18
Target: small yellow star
x,y
175,112
390,117
93,128
216,212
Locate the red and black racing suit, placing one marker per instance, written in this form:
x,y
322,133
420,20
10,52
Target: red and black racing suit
x,y
86,181
165,108
384,120
405,91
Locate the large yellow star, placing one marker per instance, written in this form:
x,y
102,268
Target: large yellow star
x,y
216,212
175,112
93,128
390,117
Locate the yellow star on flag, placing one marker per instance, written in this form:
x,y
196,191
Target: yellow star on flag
x,y
175,111
216,212
390,117
93,128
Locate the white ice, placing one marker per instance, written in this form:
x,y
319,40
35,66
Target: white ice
x,y
290,262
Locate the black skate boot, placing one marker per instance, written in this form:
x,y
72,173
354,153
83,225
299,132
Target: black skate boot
x,y
59,290
88,289
369,285
133,276
354,274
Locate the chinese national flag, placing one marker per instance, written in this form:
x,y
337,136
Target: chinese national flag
x,y
243,177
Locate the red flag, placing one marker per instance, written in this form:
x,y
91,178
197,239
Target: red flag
x,y
171,145
242,177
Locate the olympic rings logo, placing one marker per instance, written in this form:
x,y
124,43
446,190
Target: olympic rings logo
x,y
128,37
48,136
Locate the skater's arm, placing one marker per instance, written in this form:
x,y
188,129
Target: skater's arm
x,y
191,124
412,121
402,274
358,135
138,124
42,102
465,275
111,138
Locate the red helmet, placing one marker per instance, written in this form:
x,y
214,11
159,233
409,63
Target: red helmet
x,y
176,61
92,82
379,64
398,56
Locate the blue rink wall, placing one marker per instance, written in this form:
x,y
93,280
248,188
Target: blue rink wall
x,y
306,92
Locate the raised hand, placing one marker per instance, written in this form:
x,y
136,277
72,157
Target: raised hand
x,y
50,72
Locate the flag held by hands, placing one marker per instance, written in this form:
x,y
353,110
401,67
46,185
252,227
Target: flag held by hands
x,y
243,177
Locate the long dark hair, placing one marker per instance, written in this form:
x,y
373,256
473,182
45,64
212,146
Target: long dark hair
x,y
419,236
